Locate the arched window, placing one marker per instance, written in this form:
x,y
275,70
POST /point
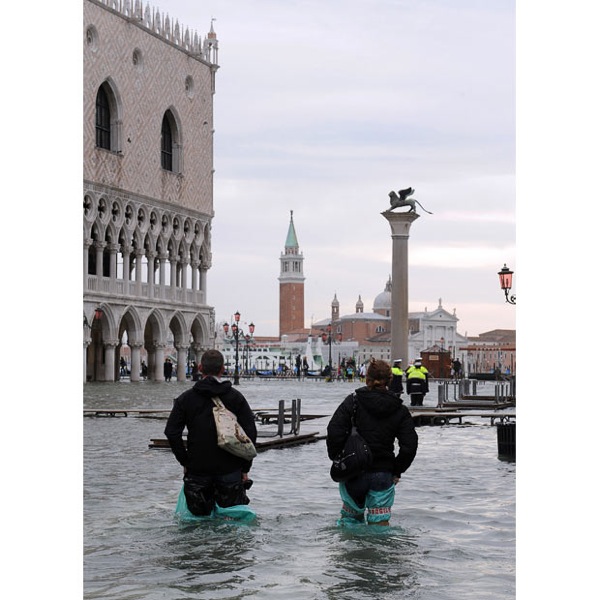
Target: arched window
x,y
170,143
102,119
108,122
166,145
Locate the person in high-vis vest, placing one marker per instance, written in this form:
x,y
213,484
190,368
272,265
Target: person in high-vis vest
x,y
417,382
397,373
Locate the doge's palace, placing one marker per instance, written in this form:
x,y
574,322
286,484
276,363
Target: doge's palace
x,y
148,90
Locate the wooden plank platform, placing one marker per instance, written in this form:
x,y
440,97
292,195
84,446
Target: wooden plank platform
x,y
476,404
436,416
261,443
266,416
124,412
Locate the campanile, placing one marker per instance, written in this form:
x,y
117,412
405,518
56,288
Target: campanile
x,y
291,284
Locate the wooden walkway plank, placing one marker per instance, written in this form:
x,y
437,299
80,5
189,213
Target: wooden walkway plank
x,y
272,442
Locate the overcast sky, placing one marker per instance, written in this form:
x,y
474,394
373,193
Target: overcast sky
x,y
323,108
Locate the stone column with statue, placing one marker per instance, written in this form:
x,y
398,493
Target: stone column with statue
x,y
400,223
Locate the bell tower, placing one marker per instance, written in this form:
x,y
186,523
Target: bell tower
x,y
335,309
291,284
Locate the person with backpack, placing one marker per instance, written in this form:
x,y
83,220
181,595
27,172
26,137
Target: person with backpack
x,y
210,474
381,419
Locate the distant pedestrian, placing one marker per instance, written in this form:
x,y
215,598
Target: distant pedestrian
x,y
417,382
457,368
363,372
144,370
396,386
349,373
123,367
195,373
382,419
168,369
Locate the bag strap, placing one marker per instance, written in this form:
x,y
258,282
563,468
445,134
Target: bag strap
x,y
217,402
354,409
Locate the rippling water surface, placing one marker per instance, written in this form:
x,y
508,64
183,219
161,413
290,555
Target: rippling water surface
x,y
452,532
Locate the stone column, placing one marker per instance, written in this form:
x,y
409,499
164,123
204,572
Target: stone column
x,y
400,224
162,273
109,360
184,261
139,253
159,359
202,288
135,361
126,252
151,255
99,258
195,270
112,271
172,291
86,261
182,352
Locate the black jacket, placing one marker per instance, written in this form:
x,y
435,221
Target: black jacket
x,y
396,384
193,409
381,419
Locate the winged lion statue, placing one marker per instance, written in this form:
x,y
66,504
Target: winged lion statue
x,y
402,199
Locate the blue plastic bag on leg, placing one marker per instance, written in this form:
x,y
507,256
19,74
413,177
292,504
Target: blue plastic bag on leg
x,y
239,513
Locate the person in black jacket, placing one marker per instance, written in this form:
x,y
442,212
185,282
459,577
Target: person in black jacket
x,y
210,474
396,382
381,418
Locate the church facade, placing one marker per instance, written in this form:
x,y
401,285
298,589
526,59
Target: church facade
x,y
148,90
428,330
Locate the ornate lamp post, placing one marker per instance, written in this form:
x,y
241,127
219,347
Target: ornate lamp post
x,y
236,331
505,275
326,338
97,316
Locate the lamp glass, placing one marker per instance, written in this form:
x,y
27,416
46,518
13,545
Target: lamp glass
x,y
505,275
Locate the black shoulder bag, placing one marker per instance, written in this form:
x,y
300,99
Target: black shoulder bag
x,y
356,456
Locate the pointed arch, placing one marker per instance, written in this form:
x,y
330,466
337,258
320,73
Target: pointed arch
x,y
131,322
171,158
108,117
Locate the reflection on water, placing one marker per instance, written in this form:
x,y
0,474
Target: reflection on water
x,y
373,560
452,533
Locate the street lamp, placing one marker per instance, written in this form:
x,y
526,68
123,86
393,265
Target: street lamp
x,y
247,337
505,275
326,338
236,331
97,316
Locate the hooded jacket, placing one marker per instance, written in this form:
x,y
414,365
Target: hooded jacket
x,y
381,419
193,409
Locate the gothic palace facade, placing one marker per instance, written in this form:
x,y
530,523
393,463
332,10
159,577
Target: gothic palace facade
x,y
148,188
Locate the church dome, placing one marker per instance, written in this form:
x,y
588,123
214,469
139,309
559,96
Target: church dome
x,y
383,301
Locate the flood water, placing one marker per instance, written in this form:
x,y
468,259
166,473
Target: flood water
x,y
451,534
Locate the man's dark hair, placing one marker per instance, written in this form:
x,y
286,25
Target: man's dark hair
x,y
211,363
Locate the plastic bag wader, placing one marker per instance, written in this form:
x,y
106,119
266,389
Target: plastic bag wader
x,y
200,499
378,505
